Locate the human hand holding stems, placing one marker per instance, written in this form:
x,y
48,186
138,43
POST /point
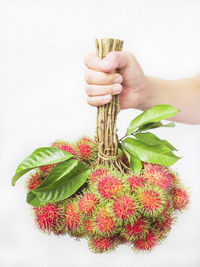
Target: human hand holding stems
x,y
136,90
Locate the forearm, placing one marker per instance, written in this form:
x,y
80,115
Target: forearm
x,y
183,94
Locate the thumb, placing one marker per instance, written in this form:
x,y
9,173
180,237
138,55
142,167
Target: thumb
x,y
116,59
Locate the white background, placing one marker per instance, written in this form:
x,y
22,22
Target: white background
x,y
42,98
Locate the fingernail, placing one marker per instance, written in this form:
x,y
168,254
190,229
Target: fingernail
x,y
107,98
105,64
117,88
118,79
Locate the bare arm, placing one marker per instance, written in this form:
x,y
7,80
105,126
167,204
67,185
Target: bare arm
x,y
136,90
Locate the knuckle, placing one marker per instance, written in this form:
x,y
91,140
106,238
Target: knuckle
x,y
87,76
88,89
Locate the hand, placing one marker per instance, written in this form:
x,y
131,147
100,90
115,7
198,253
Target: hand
x,y
102,82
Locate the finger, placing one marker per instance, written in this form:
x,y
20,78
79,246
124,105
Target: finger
x,y
92,61
98,100
96,77
116,59
97,90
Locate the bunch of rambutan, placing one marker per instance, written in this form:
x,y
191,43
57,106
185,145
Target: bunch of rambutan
x,y
106,190
112,208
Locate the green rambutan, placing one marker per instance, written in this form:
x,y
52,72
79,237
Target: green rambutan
x,y
146,243
180,198
135,182
49,217
109,186
99,245
151,200
158,175
86,149
136,230
34,181
87,203
124,207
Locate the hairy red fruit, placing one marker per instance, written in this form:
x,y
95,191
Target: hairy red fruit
x,y
47,168
136,230
145,243
124,207
88,226
101,244
72,217
64,146
135,182
180,198
87,203
104,223
163,225
151,201
109,186
48,217
158,175
97,175
34,181
85,149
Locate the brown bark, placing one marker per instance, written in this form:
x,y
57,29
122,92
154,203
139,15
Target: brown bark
x,y
106,131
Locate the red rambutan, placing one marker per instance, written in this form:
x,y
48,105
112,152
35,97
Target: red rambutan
x,y
49,217
158,175
72,217
88,227
64,146
87,203
46,169
162,226
180,198
100,245
136,230
97,174
34,181
104,223
145,243
135,182
124,207
86,149
151,200
109,186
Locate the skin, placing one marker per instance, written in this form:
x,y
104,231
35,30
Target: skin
x,y
136,90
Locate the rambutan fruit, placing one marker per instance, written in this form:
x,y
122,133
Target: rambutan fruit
x,y
109,186
34,181
49,217
64,145
124,207
88,227
104,225
146,243
162,226
86,149
97,174
180,198
87,203
72,218
151,200
46,169
158,175
136,230
99,245
135,182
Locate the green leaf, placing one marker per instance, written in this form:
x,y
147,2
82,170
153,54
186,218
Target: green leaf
x,y
153,125
152,139
154,114
158,154
135,164
40,157
64,185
